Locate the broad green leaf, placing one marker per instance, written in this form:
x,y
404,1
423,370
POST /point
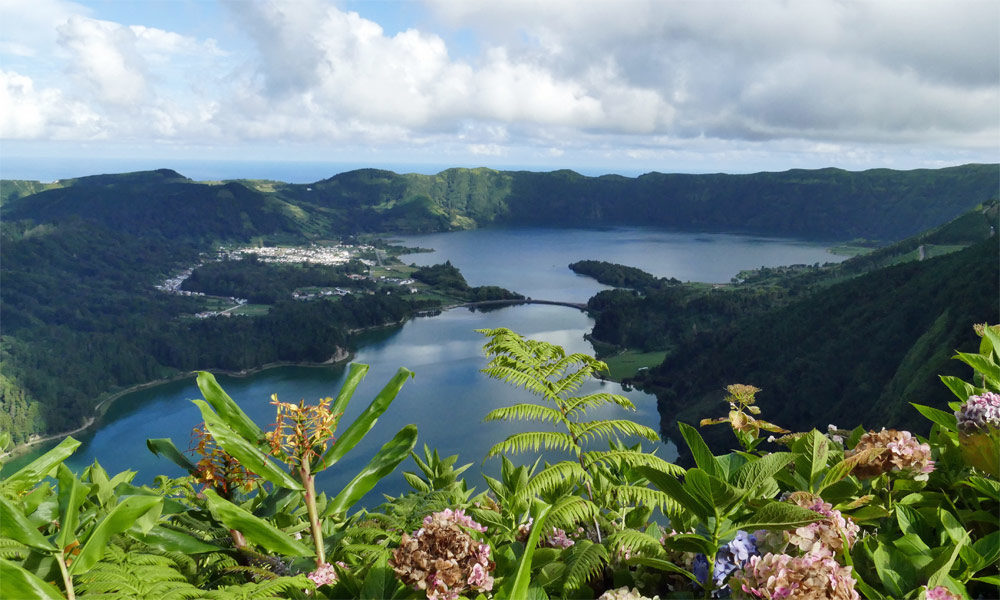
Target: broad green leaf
x,y
365,421
244,451
988,547
960,388
673,488
699,449
893,569
255,529
689,542
990,579
380,582
711,490
16,582
779,515
166,448
944,419
912,545
229,412
663,565
817,448
941,565
384,462
984,485
355,373
755,472
32,473
16,526
982,364
522,577
71,495
951,525
173,540
121,518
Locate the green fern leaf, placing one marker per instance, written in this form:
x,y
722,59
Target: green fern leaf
x,y
585,560
630,458
532,440
570,511
610,427
632,542
526,412
635,494
550,477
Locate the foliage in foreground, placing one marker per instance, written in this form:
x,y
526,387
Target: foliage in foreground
x,y
831,514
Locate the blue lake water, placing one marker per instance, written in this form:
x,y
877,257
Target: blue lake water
x,y
449,396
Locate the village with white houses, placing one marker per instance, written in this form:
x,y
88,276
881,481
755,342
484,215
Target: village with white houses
x,y
316,254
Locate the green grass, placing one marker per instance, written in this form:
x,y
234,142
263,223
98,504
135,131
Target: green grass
x,y
251,310
628,363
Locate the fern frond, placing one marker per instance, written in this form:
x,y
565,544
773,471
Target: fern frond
x,y
11,550
550,477
609,427
585,560
637,494
532,440
582,403
630,458
253,573
274,588
571,510
633,542
525,412
515,375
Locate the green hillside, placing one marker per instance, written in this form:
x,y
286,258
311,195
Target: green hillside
x,y
855,353
832,204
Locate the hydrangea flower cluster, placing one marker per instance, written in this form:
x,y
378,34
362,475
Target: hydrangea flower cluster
x,y
624,593
442,559
825,537
455,516
325,574
779,576
728,559
900,452
558,539
941,593
979,413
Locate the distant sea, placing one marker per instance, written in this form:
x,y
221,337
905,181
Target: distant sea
x,y
51,169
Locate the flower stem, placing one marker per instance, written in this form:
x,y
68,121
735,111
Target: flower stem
x,y
67,580
309,482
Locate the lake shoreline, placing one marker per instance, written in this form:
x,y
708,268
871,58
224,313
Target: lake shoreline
x,y
342,355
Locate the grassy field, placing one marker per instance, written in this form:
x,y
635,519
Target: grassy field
x,y
629,362
251,310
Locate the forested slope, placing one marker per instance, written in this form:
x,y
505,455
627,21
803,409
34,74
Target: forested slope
x,y
856,353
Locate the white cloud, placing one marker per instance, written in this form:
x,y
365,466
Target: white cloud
x,y
645,79
29,113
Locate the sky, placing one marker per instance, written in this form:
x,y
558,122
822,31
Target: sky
x,y
621,86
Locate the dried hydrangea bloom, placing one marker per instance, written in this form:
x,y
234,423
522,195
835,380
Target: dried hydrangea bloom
x,y
624,593
941,593
442,559
780,576
824,537
896,452
979,413
325,574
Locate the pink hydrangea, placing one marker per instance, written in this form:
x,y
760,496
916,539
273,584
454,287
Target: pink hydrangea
x,y
941,593
325,574
558,539
978,413
455,516
780,576
890,451
824,537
